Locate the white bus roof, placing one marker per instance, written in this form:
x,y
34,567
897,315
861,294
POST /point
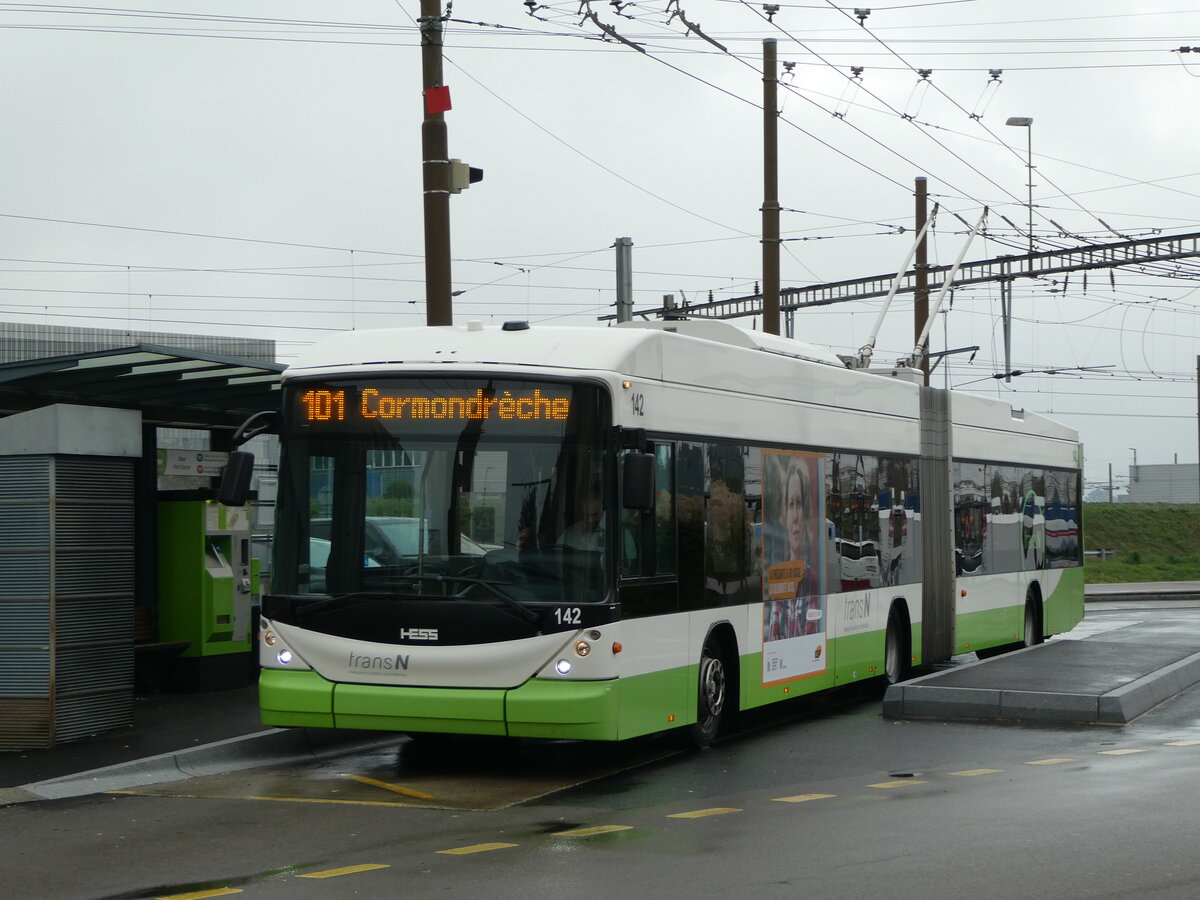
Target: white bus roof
x,y
614,349
708,354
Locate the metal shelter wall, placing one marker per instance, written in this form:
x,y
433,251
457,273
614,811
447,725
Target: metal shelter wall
x,y
66,588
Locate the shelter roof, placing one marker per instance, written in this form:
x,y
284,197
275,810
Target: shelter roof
x,y
169,386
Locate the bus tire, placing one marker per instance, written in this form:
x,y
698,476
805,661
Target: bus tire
x,y
712,695
897,657
1033,619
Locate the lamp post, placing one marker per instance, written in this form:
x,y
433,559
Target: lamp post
x,y
1027,123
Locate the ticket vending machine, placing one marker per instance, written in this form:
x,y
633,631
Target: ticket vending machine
x,y
208,592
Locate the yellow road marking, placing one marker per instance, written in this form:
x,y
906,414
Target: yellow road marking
x,y
1120,752
904,782
475,848
200,895
1057,761
968,773
1182,743
345,870
803,798
387,786
701,813
597,829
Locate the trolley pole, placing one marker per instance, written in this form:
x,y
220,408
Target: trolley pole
x,y
435,171
770,206
921,296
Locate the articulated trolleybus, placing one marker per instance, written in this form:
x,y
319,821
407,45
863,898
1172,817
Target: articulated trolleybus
x,y
603,533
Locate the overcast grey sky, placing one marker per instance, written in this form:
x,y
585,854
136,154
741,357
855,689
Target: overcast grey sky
x,y
254,168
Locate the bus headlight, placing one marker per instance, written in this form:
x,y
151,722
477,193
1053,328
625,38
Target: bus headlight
x,y
582,648
274,652
563,667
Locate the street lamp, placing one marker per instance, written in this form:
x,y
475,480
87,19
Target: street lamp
x,y
1027,123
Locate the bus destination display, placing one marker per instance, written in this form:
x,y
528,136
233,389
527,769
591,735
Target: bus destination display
x,y
371,404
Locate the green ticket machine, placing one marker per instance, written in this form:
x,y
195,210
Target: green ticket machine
x,y
208,592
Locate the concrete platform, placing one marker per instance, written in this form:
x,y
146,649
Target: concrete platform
x,y
1116,668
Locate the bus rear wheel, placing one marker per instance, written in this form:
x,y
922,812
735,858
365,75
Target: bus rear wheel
x,y
896,655
710,703
1033,621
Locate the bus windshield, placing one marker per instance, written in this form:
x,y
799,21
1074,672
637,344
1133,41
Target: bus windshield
x,y
422,488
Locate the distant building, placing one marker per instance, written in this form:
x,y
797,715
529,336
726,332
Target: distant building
x,y
1171,483
20,341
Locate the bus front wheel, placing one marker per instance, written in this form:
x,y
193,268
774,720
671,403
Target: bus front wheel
x,y
710,704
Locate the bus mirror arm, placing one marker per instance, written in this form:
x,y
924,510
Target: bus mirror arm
x,y
259,423
234,489
637,480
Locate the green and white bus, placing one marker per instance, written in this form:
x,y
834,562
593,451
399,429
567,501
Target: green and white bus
x,y
597,534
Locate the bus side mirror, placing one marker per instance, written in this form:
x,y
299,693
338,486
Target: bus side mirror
x,y
235,480
637,480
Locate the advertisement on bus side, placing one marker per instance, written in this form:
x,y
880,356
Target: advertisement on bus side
x,y
794,616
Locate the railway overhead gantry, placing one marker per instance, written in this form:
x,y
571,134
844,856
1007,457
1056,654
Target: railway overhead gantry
x,y
1148,255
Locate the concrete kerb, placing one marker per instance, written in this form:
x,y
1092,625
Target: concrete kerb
x,y
918,699
1169,592
1127,702
271,747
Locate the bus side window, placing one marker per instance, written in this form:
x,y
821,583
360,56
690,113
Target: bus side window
x,y
629,539
647,539
664,509
631,527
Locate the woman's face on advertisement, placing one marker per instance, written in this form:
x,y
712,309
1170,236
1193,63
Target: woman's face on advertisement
x,y
794,514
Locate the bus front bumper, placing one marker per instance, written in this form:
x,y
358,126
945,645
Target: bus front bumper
x,y
578,710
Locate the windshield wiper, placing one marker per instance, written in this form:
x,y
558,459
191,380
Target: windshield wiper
x,y
350,599
522,611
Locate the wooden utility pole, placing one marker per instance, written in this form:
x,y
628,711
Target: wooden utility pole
x,y
921,294
435,170
770,206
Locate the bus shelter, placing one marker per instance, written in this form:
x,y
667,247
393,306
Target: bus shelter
x,y
83,614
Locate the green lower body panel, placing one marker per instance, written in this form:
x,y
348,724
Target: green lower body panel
x,y
298,699
582,710
1063,609
754,693
990,628
387,708
657,701
858,656
577,710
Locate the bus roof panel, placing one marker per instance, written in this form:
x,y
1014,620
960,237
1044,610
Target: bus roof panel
x,y
552,347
